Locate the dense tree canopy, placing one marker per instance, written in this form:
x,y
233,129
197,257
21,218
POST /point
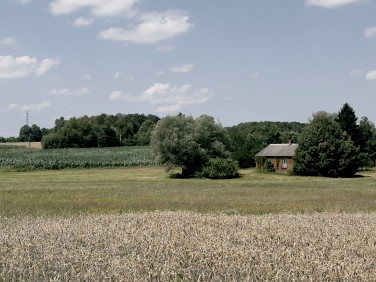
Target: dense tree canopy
x,y
367,142
100,131
182,141
249,138
32,134
325,150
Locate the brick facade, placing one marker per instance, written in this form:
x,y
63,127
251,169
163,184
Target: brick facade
x,y
289,162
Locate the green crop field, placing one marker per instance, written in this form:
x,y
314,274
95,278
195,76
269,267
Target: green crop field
x,y
75,158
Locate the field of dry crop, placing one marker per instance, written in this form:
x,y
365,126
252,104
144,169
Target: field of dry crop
x,y
165,246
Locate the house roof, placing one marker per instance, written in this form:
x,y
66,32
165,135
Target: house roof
x,y
278,150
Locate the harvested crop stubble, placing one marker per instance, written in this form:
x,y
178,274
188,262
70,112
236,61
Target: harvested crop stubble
x,y
165,246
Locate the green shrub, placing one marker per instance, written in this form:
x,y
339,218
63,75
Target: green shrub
x,y
268,166
220,168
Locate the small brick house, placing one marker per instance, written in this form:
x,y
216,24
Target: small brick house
x,y
280,155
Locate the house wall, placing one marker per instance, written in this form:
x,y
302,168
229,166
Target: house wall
x,y
290,163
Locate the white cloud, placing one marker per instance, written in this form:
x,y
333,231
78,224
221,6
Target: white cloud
x,y
356,73
36,107
7,41
86,76
154,27
12,106
370,32
170,98
160,72
331,3
165,48
46,65
116,75
371,75
11,67
70,92
99,8
80,22
115,95
182,69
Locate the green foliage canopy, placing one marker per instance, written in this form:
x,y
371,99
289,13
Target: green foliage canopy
x,y
325,150
182,141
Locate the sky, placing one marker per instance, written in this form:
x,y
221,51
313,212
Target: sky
x,y
238,61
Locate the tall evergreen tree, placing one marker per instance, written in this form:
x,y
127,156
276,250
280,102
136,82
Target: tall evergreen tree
x,y
347,121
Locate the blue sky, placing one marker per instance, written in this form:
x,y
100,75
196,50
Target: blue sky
x,y
238,61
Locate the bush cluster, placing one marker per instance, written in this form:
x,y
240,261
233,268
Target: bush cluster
x,y
220,168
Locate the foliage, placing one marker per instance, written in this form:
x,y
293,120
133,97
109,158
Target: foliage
x,y
251,137
100,131
144,134
25,133
269,167
77,158
220,168
32,134
260,162
182,141
347,121
325,150
367,141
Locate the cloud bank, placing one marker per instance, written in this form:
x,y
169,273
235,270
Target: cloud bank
x,y
11,67
98,8
7,41
370,32
70,92
331,3
371,75
36,107
153,27
169,98
182,69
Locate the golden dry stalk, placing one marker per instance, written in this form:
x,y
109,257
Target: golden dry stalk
x,y
165,246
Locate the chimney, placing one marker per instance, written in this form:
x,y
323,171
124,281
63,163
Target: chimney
x,y
290,142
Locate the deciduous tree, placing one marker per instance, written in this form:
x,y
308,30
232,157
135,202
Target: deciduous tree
x,y
325,150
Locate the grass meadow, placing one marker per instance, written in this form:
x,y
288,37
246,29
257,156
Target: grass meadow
x,y
142,224
150,188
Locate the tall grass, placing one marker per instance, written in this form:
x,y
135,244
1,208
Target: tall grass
x,y
77,158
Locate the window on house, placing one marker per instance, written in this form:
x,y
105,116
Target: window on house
x,y
284,163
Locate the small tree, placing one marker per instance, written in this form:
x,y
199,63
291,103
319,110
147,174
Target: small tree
x,y
182,141
325,150
25,133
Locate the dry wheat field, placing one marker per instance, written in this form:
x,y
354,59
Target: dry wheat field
x,y
189,246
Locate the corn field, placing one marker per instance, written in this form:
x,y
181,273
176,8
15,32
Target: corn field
x,y
76,158
188,246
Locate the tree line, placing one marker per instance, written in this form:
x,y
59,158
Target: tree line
x,y
241,142
95,131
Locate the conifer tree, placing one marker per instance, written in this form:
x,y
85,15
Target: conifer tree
x,y
347,121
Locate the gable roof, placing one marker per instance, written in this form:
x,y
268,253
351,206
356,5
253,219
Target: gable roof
x,y
278,150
